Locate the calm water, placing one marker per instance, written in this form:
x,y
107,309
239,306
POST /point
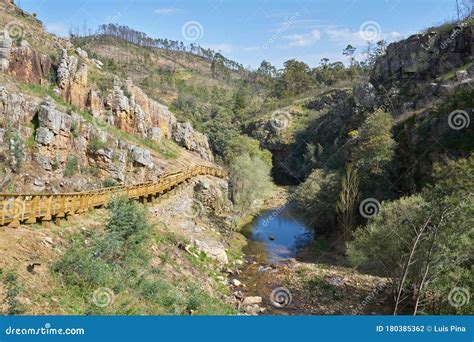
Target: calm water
x,y
278,234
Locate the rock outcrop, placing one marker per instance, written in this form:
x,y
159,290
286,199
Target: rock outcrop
x,y
29,66
414,71
186,136
5,49
72,78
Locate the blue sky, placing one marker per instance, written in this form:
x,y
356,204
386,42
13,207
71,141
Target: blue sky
x,y
250,31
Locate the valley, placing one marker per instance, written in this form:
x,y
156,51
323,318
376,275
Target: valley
x,y
147,176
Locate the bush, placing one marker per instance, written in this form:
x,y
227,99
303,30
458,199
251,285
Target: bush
x,y
317,197
111,254
424,242
373,147
250,181
96,144
109,183
71,166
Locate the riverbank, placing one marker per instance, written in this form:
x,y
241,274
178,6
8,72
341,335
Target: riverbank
x,y
316,280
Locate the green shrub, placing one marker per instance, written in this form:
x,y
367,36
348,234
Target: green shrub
x,y
250,181
317,197
96,144
71,166
13,289
109,183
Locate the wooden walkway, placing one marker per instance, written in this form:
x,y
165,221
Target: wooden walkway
x,y
16,209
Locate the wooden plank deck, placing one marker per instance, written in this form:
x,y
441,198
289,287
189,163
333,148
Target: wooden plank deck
x,y
16,209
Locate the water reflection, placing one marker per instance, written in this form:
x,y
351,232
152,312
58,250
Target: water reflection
x,y
279,234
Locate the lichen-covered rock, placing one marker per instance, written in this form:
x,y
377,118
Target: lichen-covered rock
x,y
365,95
158,115
72,79
49,117
155,134
142,156
43,161
66,70
44,136
5,49
212,249
186,136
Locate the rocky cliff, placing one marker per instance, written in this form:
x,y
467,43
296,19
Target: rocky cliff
x,y
61,114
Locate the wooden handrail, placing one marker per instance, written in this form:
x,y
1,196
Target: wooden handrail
x,y
29,207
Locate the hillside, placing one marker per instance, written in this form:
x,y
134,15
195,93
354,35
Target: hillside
x,y
370,163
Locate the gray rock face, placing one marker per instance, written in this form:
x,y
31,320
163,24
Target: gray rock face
x,y
365,95
155,134
424,56
142,156
43,161
5,49
116,100
50,118
13,108
44,136
140,121
81,53
66,69
186,136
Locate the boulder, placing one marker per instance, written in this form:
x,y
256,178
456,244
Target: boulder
x,y
81,53
142,156
252,300
212,249
43,161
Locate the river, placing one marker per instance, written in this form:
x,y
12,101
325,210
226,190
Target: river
x,y
274,238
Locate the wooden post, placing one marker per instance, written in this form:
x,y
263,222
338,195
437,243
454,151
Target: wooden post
x,y
33,208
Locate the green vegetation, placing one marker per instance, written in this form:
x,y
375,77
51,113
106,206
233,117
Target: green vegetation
x,y
13,290
424,242
250,181
110,272
71,166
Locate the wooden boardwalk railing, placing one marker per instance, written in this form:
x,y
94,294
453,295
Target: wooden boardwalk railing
x,y
42,207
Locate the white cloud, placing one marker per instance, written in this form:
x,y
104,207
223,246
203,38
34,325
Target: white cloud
x,y
251,48
345,36
166,11
58,28
305,39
